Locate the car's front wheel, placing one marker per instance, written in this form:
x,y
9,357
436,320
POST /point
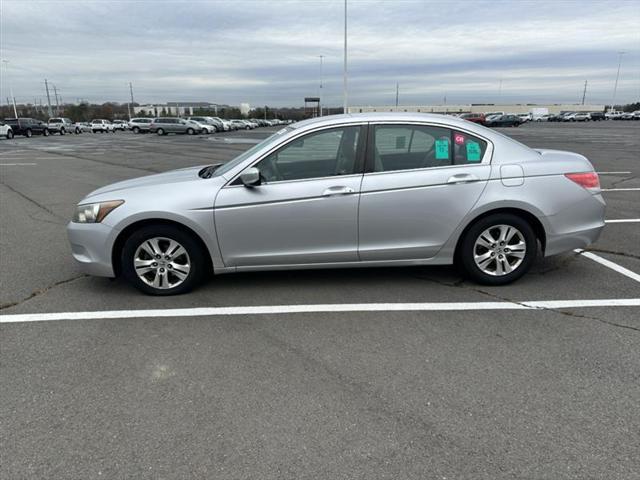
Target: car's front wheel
x,y
160,131
46,132
163,260
136,130
190,131
9,134
498,249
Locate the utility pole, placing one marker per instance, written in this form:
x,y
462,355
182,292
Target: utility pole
x,y
320,95
131,92
344,88
397,92
615,87
55,92
6,66
584,92
46,86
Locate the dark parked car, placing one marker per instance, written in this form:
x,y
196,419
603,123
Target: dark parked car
x,y
474,117
597,116
505,121
27,126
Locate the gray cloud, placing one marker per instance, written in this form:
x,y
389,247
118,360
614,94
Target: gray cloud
x,y
266,52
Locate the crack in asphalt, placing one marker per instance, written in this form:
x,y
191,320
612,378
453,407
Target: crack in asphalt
x,y
461,284
34,202
40,291
622,180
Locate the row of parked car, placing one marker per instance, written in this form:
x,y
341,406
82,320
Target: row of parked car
x,y
502,119
193,125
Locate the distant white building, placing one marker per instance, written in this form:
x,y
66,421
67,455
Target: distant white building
x,y
477,108
245,108
173,108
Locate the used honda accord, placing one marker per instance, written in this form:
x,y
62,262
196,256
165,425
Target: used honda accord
x,y
346,191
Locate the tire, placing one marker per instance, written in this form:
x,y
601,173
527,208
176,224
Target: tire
x,y
136,130
77,132
190,131
160,131
62,132
45,132
9,134
28,133
494,271
141,245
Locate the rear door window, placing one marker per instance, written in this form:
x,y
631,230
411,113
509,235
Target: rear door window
x,y
409,147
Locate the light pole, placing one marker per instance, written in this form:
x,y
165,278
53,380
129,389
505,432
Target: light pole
x,y
615,87
13,99
320,95
344,89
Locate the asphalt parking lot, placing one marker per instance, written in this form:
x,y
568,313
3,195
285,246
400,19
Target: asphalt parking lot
x,y
524,393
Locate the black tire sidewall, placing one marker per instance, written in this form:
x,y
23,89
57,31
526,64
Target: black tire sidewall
x,y
160,131
194,250
9,135
28,133
468,242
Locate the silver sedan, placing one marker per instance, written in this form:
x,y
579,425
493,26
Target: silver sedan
x,y
346,191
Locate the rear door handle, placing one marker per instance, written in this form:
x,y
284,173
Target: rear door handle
x,y
462,178
337,191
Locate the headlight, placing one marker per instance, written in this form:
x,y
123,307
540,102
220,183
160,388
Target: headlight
x,y
95,212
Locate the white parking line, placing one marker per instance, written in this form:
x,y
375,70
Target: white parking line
x,y
609,264
634,189
613,173
623,220
320,308
16,164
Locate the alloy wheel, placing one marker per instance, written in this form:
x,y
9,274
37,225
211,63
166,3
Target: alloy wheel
x,y
499,250
161,263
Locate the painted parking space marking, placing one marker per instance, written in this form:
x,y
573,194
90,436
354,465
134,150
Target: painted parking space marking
x,y
613,173
16,164
320,308
623,220
609,264
630,189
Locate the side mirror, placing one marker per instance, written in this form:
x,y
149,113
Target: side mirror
x,y
250,177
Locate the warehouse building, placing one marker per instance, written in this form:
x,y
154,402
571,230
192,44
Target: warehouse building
x,y
479,108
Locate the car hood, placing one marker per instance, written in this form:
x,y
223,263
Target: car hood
x,y
173,176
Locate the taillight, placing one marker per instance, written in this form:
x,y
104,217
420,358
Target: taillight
x,y
588,180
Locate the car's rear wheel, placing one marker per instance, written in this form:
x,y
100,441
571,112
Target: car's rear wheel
x,y
45,132
163,260
136,130
160,131
190,131
498,249
62,132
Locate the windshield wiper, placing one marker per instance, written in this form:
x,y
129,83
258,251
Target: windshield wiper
x,y
207,172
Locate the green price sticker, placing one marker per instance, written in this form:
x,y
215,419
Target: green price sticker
x,y
442,149
473,151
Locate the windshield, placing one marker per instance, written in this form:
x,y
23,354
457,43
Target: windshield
x,y
242,157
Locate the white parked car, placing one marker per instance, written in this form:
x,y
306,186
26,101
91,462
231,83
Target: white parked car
x,y
120,125
62,126
102,126
203,127
6,131
525,117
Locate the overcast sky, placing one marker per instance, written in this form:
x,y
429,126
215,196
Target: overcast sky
x,y
266,51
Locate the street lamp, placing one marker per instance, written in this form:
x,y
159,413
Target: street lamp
x,y
13,99
615,87
320,95
344,88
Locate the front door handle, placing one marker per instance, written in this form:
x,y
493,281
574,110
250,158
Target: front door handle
x,y
462,178
337,191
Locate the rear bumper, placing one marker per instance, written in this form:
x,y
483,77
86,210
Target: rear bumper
x,y
91,246
577,226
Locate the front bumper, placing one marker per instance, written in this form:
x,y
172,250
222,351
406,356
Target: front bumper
x,y
91,247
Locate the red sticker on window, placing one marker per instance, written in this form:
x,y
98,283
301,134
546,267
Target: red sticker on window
x,y
459,139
